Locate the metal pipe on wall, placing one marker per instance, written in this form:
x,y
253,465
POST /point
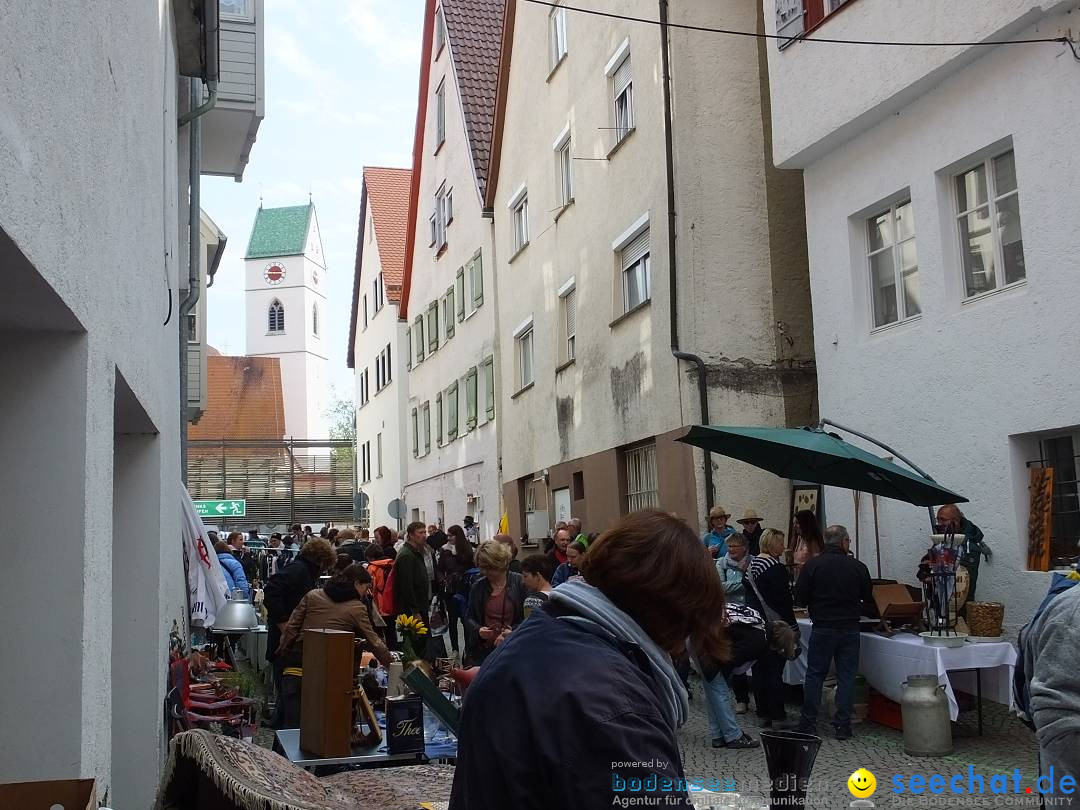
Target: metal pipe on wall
x,y
673,287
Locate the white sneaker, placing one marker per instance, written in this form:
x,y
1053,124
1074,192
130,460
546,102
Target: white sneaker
x,y
741,708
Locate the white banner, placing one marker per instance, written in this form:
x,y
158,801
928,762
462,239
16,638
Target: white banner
x,y
206,583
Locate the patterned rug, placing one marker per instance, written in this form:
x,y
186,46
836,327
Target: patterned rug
x,y
223,773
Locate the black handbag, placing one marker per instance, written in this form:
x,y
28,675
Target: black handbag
x,y
777,630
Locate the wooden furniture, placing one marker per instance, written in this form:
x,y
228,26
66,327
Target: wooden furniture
x,y
326,693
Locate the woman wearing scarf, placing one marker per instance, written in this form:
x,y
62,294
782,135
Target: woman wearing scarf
x,y
599,652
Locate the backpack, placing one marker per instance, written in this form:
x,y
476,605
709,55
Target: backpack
x,y
1021,685
382,586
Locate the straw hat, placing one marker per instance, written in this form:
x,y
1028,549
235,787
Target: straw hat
x,y
719,512
748,515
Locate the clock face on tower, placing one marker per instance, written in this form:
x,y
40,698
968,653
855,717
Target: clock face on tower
x,y
274,274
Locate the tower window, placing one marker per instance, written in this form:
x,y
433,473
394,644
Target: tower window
x,y
275,317
315,319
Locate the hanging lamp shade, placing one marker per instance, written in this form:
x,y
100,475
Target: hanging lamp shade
x,y
239,615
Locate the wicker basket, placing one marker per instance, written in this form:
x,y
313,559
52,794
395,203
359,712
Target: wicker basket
x,y
984,619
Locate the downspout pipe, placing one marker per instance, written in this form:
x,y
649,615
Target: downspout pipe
x,y
195,110
673,285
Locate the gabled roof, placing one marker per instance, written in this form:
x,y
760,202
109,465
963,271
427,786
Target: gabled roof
x,y
386,193
474,31
280,232
243,399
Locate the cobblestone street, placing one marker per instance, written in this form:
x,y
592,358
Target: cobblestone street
x,y
1005,745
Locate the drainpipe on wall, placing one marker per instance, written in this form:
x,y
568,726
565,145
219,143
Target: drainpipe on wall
x,y
195,110
673,286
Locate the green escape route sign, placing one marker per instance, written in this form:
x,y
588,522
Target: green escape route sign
x,y
220,509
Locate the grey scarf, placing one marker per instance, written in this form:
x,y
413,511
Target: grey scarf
x,y
591,604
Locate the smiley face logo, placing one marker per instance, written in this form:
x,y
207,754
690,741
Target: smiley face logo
x,y
862,784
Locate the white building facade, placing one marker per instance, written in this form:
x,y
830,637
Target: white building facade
x,y
584,271
94,219
449,292
940,224
285,301
378,344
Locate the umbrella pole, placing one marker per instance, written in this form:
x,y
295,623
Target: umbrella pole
x,y
855,495
877,539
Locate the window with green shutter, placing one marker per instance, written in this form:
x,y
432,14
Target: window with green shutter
x,y
489,387
408,344
476,280
415,434
438,419
448,311
433,327
427,427
459,283
451,411
418,333
470,398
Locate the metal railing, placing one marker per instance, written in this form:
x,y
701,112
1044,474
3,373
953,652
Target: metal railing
x,y
285,482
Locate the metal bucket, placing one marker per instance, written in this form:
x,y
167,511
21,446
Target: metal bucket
x,y
925,709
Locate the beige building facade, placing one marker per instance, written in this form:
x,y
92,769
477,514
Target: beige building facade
x,y
587,266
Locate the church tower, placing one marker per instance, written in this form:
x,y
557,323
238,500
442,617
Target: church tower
x,y
285,301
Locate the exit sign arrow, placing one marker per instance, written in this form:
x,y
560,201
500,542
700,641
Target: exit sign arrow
x,y
236,507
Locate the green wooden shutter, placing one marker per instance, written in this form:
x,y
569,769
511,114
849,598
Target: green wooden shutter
x,y
460,283
470,398
415,434
476,278
408,343
438,419
489,386
418,332
448,311
451,411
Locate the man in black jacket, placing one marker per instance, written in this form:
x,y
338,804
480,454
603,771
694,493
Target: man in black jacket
x,y
412,582
834,587
283,593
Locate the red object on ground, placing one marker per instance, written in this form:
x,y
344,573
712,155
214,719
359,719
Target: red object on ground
x,y
883,711
464,677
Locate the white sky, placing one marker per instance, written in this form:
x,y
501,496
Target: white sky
x,y
341,84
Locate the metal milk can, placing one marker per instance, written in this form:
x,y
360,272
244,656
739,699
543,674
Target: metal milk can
x,y
925,709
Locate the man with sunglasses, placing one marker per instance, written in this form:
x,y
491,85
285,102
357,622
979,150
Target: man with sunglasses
x,y
751,530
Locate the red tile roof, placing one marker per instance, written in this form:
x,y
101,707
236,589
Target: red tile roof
x,y
388,199
386,192
243,399
474,29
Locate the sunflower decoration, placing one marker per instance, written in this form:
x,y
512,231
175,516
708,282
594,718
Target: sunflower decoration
x,y
413,631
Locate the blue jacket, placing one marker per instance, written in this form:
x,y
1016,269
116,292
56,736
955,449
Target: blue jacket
x,y
711,539
234,573
562,574
599,708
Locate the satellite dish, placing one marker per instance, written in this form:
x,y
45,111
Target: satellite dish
x,y
359,506
397,509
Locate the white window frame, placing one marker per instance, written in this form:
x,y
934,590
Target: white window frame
x,y
247,15
625,264
567,330
488,369
439,219
363,305
894,246
519,212
378,455
377,292
440,115
415,432
619,72
449,206
993,199
440,32
564,168
524,350
275,319
642,481
557,49
365,389
365,462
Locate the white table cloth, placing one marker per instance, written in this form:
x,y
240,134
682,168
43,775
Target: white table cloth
x,y
887,662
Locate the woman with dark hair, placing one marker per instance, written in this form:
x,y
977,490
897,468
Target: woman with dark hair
x,y
338,605
806,540
455,559
343,561
571,568
612,699
385,540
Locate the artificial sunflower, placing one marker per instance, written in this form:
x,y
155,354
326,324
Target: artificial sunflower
x,y
412,630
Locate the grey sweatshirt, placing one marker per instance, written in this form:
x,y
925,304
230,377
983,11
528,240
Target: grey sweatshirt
x,y
1050,652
